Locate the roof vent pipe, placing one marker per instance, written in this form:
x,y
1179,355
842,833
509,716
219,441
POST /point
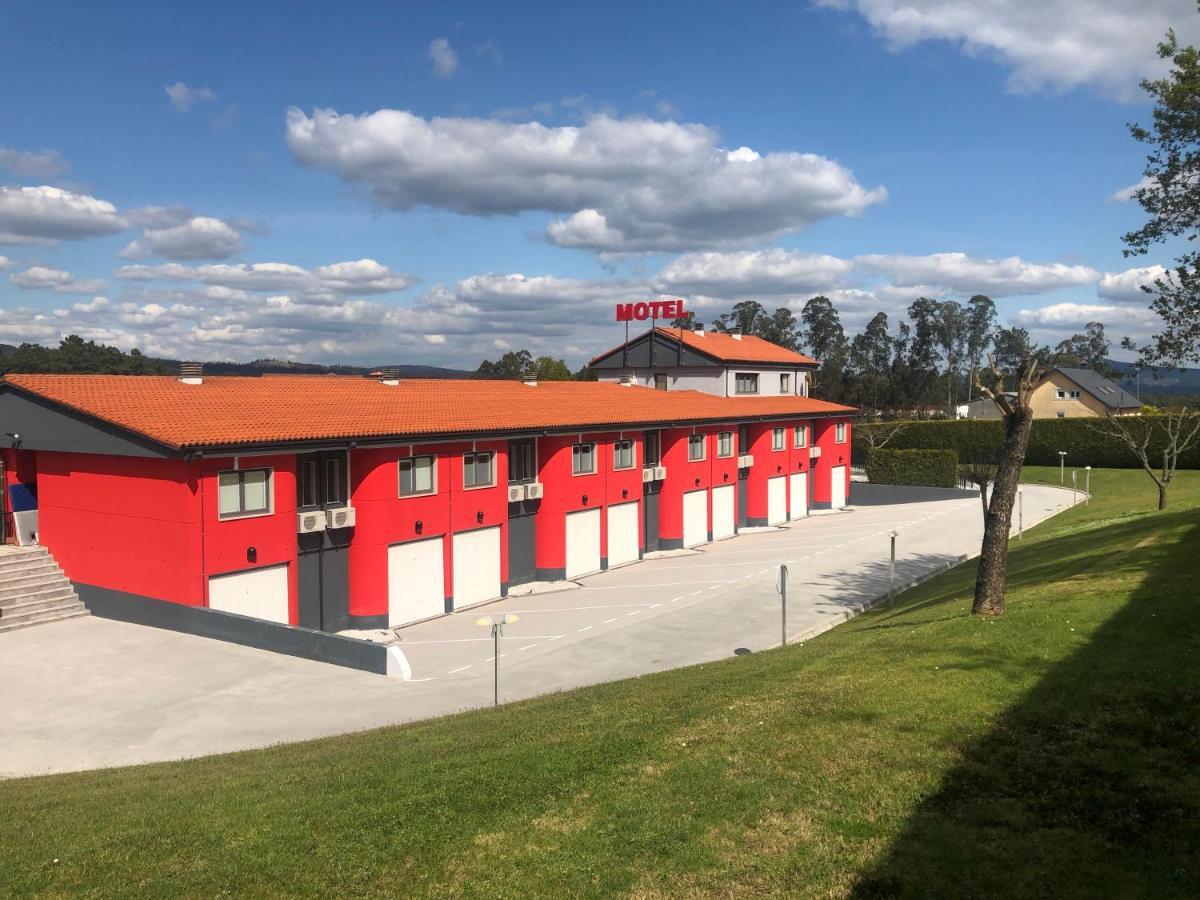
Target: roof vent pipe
x,y
736,334
700,329
191,373
529,376
390,377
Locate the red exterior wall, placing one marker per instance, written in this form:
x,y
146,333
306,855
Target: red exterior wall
x,y
832,454
763,468
124,523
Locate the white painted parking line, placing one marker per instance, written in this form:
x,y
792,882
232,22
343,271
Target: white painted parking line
x,y
526,647
585,628
610,621
636,612
493,659
459,669
535,637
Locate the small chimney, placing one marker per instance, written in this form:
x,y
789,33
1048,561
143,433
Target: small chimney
x,y
529,377
390,377
191,373
628,380
736,334
700,329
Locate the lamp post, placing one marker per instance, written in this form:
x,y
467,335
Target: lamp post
x,y
892,571
1087,485
1062,456
497,626
781,578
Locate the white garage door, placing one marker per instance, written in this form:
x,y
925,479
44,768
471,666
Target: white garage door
x,y
837,490
623,534
476,566
695,518
776,500
416,581
583,542
261,593
799,495
722,505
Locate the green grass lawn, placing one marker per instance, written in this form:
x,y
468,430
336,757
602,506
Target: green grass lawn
x,y
918,751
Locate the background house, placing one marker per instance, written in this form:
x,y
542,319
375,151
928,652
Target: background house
x,y
1066,394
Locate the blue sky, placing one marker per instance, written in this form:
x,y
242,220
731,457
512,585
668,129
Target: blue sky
x,y
420,182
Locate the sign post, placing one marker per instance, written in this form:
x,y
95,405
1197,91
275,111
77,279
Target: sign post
x,y
1087,485
497,626
781,577
1074,486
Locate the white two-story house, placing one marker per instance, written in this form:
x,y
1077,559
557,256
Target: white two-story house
x,y
728,365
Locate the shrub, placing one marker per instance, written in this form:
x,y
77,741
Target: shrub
x,y
981,438
929,468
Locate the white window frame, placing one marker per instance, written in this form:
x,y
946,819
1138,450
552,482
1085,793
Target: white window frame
x,y
724,438
839,433
433,475
471,454
785,382
241,476
799,436
777,438
576,452
620,446
697,440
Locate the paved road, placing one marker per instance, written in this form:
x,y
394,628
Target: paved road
x,y
88,693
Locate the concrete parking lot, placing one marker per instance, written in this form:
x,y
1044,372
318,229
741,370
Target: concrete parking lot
x,y
89,693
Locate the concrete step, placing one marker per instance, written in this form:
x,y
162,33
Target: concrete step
x,y
47,604
29,622
10,551
30,581
23,569
50,591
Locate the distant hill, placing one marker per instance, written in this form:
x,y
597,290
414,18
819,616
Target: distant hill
x,y
287,367
1158,381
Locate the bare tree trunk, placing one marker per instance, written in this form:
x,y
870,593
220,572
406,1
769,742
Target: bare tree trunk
x,y
983,498
1162,495
993,557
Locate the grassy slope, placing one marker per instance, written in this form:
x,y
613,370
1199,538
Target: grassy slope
x,y
919,751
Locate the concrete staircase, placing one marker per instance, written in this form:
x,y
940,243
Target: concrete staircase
x,y
33,589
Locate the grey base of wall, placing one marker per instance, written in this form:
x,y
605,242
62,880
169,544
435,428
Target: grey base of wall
x,y
552,574
822,504
756,521
868,494
603,563
368,622
223,626
670,543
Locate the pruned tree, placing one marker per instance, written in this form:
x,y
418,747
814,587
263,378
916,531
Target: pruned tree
x,y
979,468
1015,411
877,436
1156,440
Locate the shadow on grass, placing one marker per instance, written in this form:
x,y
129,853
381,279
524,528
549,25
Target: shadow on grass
x,y
1090,785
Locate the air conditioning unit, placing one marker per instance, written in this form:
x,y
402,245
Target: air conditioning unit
x,y
660,472
648,474
534,490
516,493
814,452
340,518
308,522
746,461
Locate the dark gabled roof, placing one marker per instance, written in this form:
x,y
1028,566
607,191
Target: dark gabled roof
x,y
1103,389
724,348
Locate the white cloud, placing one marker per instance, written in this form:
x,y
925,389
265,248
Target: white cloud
x,y
754,272
1073,316
443,57
182,97
962,274
363,276
1126,287
33,215
25,164
44,278
200,237
624,185
1125,194
6,263
1051,44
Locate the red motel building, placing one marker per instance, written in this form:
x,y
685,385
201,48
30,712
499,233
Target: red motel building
x,y
338,502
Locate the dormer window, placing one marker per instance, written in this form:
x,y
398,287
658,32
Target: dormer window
x,y
745,383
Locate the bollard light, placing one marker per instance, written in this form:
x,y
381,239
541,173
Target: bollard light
x,y
1087,485
1062,456
893,534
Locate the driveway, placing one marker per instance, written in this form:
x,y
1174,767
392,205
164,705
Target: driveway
x,y
88,693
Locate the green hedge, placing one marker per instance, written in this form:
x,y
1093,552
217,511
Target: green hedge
x,y
930,468
979,438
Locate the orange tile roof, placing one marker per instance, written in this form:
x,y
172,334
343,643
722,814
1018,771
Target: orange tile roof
x,y
727,348
232,410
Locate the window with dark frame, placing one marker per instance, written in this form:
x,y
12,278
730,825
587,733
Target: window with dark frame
x,y
696,447
417,476
333,481
839,432
785,383
725,444
743,439
478,469
776,438
243,492
522,461
745,383
660,381
800,436
651,452
583,459
306,494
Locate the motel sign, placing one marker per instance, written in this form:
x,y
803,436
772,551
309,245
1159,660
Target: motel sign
x,y
654,309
